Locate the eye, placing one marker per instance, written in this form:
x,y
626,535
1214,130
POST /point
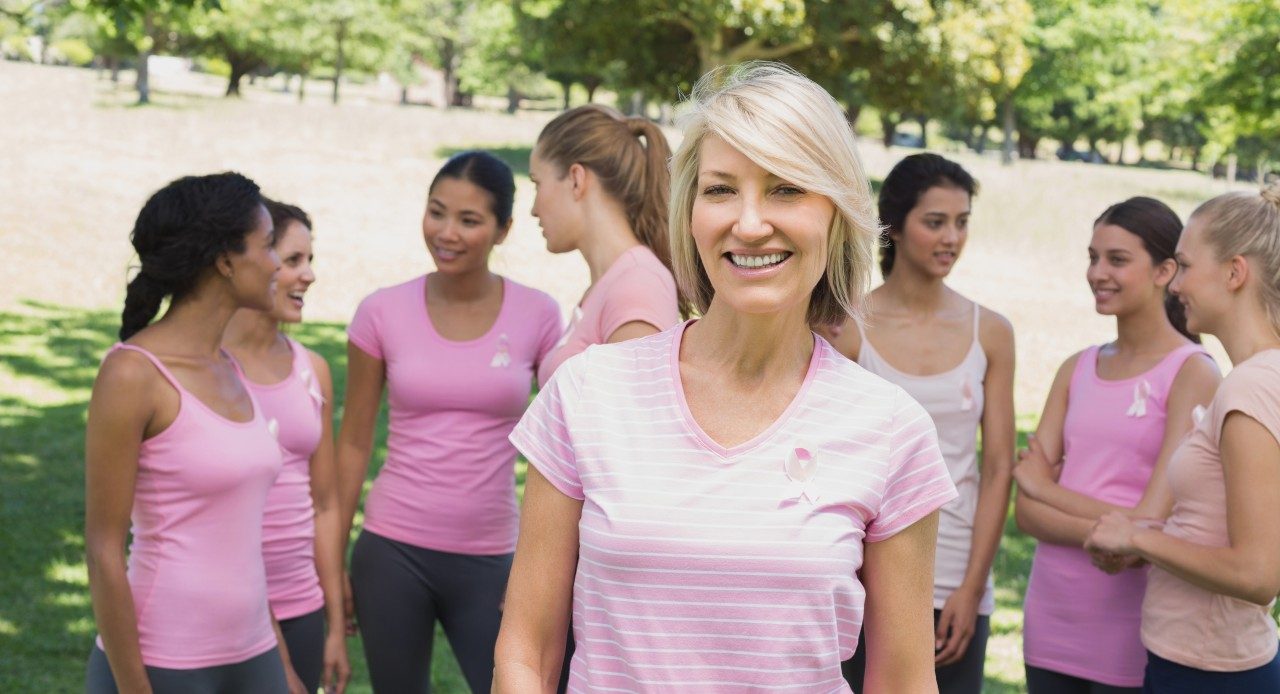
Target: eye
x,y
788,190
435,214
717,190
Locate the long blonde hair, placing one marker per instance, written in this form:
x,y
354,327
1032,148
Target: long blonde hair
x,y
1248,224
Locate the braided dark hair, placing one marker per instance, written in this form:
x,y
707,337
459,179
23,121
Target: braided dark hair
x,y
181,231
1158,226
906,183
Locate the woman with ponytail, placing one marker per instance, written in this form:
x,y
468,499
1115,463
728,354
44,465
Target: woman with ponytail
x,y
1114,416
179,455
1215,561
602,188
301,531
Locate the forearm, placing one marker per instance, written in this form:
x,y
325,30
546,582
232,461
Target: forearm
x,y
353,465
1048,524
1226,570
329,563
520,678
1074,503
281,645
117,622
988,528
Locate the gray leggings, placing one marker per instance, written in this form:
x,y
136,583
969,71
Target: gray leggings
x,y
401,590
261,674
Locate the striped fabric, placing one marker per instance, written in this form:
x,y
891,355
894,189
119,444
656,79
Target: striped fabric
x,y
725,570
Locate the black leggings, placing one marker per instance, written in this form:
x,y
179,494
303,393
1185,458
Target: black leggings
x,y
401,590
304,635
261,674
961,677
1042,681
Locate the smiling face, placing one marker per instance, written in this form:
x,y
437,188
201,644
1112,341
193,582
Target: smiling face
x,y
293,245
459,226
554,204
1121,273
762,240
1202,281
252,273
934,231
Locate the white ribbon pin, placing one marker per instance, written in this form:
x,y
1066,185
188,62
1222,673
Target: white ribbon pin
x,y
966,397
802,470
1141,392
313,386
501,358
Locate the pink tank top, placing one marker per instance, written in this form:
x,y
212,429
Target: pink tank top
x,y
195,563
954,399
288,526
1080,621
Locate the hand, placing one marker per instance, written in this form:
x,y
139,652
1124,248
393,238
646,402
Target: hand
x,y
1034,472
1113,534
348,605
295,683
337,669
956,625
1115,563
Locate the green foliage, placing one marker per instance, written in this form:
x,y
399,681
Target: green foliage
x,y
73,51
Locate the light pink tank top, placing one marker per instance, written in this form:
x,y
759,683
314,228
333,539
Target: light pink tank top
x,y
954,399
288,526
1080,621
195,563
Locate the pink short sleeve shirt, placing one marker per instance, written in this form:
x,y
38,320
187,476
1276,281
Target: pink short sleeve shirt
x,y
713,569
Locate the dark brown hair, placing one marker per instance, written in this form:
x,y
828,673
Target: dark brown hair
x,y
1158,227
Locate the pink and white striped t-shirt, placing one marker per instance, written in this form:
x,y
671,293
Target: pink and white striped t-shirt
x,y
725,570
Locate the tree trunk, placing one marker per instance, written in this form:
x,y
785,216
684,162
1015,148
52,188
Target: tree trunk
x,y
566,85
341,58
144,76
888,128
981,147
302,87
851,113
114,63
404,95
592,84
1120,157
448,56
1006,147
1232,163
637,103
924,131
513,99
239,68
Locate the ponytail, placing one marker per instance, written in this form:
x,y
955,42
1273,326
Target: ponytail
x,y
629,156
142,302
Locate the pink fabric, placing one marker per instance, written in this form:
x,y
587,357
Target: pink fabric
x,y
637,287
1185,623
288,526
1078,620
195,563
706,569
448,482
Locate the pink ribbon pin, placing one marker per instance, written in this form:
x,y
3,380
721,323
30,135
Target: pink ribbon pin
x,y
802,470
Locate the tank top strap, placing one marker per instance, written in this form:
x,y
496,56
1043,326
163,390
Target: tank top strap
x,y
1086,366
155,361
867,354
977,317
301,358
1172,363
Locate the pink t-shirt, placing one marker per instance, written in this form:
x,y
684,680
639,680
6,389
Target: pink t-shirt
x,y
195,563
1182,622
294,405
637,287
1078,620
448,482
706,569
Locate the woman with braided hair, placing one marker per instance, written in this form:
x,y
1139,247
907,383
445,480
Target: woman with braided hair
x,y
179,455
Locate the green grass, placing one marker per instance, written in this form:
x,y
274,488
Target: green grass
x,y
48,358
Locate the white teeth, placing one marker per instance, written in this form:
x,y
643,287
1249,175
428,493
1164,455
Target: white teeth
x,y
757,260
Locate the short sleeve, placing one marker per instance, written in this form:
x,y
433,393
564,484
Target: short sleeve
x,y
917,483
1255,395
550,328
543,434
641,294
363,330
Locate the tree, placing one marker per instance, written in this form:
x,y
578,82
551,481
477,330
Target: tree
x,y
147,25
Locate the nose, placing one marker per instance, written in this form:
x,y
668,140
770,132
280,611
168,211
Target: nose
x,y
1095,271
308,276
951,233
751,224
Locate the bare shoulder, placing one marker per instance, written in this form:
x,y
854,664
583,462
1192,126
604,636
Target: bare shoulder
x,y
1198,373
321,367
993,328
126,372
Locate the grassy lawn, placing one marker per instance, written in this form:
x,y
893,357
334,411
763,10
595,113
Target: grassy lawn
x,y
48,358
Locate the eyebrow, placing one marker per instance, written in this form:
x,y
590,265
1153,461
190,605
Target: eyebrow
x,y
711,173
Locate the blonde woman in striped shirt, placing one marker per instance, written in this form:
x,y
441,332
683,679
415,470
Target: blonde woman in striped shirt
x,y
724,482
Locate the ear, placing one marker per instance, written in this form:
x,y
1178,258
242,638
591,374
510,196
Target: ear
x,y
578,180
502,232
224,266
1237,272
1165,272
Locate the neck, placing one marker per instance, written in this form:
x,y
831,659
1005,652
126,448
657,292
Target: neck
x,y
752,347
462,288
252,331
609,235
1139,331
1246,333
201,321
915,291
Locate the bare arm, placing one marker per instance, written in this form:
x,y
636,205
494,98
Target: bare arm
x,y
844,337
630,331
117,424
366,376
329,539
1248,568
530,647
898,621
957,623
1032,518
